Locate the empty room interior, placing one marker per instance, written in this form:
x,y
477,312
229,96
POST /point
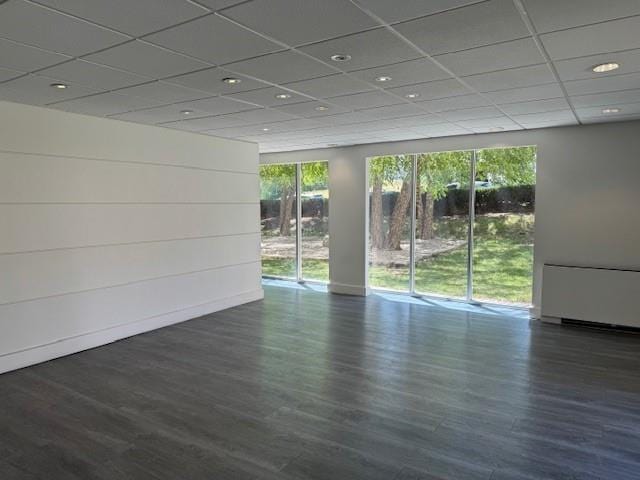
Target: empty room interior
x,y
319,239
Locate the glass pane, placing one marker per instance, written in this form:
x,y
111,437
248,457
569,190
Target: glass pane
x,y
503,228
390,221
315,221
442,223
278,220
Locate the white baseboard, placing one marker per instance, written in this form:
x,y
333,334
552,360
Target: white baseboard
x,y
342,289
67,346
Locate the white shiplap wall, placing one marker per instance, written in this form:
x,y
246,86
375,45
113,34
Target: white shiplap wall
x,y
108,229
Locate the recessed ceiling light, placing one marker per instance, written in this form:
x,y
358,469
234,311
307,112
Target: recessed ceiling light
x,y
186,112
496,129
283,96
383,78
412,95
332,145
606,67
610,110
59,86
321,108
340,57
266,129
231,80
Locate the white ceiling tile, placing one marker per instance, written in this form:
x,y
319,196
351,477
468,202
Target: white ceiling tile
x,y
102,104
526,94
203,124
433,90
145,59
512,78
596,112
441,130
8,74
559,117
393,111
255,117
473,26
486,124
282,67
162,92
455,103
593,39
609,118
44,28
215,5
24,58
550,15
501,56
345,118
136,18
407,9
537,106
550,123
162,114
366,100
266,97
330,86
295,22
604,99
216,106
211,80
90,74
471,113
413,122
291,125
629,81
308,109
367,49
404,73
214,39
581,68
37,90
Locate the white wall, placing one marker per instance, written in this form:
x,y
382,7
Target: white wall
x,y
587,195
108,229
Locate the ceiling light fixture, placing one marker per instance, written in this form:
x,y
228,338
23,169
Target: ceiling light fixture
x,y
412,95
606,67
340,57
231,80
186,112
496,129
321,108
283,96
59,86
383,78
266,129
610,110
332,145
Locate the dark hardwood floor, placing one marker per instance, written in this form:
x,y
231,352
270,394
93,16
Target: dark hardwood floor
x,y
306,385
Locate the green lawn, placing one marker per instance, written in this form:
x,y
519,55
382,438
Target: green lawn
x,y
503,263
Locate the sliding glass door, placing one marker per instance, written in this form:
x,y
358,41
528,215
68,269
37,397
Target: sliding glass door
x,y
464,230
294,216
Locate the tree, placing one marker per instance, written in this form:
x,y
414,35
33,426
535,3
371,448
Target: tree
x,y
279,181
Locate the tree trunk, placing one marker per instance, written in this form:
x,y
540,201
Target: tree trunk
x,y
286,206
426,219
398,217
375,226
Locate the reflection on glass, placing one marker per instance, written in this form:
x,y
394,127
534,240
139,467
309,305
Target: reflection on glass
x,y
503,227
278,220
315,221
442,223
390,180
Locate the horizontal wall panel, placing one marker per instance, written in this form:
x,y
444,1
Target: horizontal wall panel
x,y
46,179
51,132
32,324
41,274
25,228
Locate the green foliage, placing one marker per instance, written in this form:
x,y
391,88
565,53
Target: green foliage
x,y
389,169
437,170
274,178
315,176
507,166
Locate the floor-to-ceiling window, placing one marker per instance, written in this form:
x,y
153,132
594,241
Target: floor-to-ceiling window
x,y
294,216
464,231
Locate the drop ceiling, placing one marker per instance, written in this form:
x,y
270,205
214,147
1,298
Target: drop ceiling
x,y
452,67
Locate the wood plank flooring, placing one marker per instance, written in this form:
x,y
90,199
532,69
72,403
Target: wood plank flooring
x,y
306,385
